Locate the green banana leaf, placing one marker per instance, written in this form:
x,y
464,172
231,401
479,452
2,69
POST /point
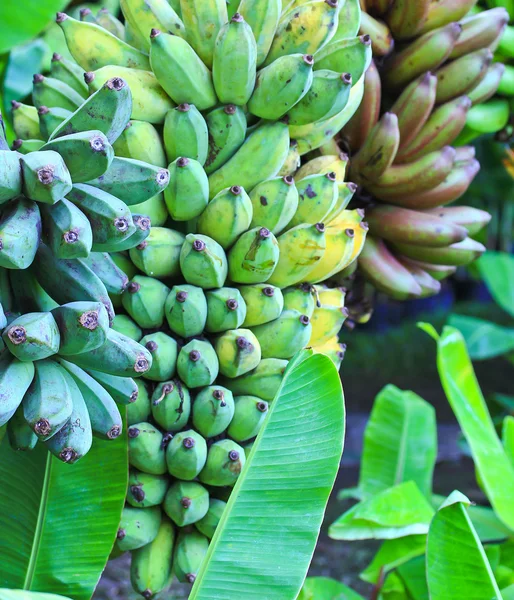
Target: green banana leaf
x,y
324,588
497,270
508,593
456,561
23,595
397,512
394,588
483,338
23,62
21,21
468,404
392,554
58,522
413,575
264,543
508,437
400,443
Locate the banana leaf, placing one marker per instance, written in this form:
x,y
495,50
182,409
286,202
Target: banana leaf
x,y
324,588
23,595
58,522
264,543
483,338
508,437
456,561
414,577
497,270
392,554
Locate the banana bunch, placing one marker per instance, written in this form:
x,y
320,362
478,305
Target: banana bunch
x,y
433,66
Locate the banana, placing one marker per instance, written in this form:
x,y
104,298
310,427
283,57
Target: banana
x,y
47,91
102,264
489,84
45,176
333,349
125,325
317,196
6,293
15,379
259,158
94,47
326,322
143,16
234,64
327,96
21,436
385,272
140,140
429,286
425,54
253,258
32,336
67,230
300,249
11,180
249,415
109,22
27,146
292,161
203,21
75,437
306,29
171,405
150,567
284,336
225,461
453,187
185,134
123,390
107,110
480,31
105,416
350,55
263,380
280,85
350,16
111,218
186,502
403,225
263,303
145,489
187,180
30,296
406,18
82,326
446,11
20,232
300,298
227,216
144,301
213,409
25,121
414,106
382,41
48,402
69,280
462,75
86,15
51,118
274,203
226,130
378,152
197,364
159,255
437,272
142,230
186,310
238,352
164,355
461,253
443,126
207,525
138,527
180,71
472,219
69,72
262,16
416,177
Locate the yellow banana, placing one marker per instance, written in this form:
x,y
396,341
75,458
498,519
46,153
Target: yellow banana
x,y
324,164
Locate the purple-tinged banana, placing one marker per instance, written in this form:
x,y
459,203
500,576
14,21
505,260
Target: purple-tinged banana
x,y
443,126
487,88
382,40
414,106
69,72
385,272
378,152
462,75
180,71
472,219
416,177
405,18
437,272
94,47
442,12
20,233
25,121
143,16
185,134
106,269
425,54
305,29
149,101
263,17
378,7
234,66
428,284
350,55
274,203
15,378
480,31
461,253
403,225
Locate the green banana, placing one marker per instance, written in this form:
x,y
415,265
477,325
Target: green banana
x,y
141,140
75,437
197,364
142,230
226,309
146,489
45,176
25,121
82,326
47,91
109,22
145,15
190,551
139,410
254,256
262,16
348,55
171,405
146,451
150,103
68,231
158,256
11,180
107,110
138,527
51,118
407,18
238,352
186,454
490,84
122,389
225,461
300,298
69,72
180,71
187,179
317,196
32,336
87,154
462,75
125,325
164,351
207,525
203,21
203,262
227,130
27,146
264,303
281,85
94,47
21,436
144,301
249,415
259,158
284,336
186,502
29,294
292,161
114,279
185,134
20,232
15,379
234,64
447,11
275,202
186,310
